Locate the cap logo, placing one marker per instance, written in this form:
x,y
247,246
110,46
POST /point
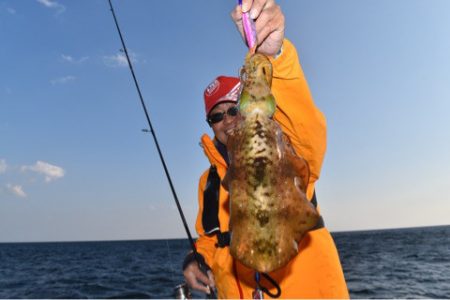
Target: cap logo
x,y
233,94
212,87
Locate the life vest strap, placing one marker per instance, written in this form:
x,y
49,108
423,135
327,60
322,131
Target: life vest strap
x,y
210,216
223,239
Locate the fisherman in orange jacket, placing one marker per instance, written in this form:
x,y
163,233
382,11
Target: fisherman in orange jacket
x,y
315,272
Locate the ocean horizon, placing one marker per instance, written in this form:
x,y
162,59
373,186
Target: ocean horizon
x,y
411,262
182,238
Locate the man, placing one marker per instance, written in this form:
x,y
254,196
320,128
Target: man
x,y
315,272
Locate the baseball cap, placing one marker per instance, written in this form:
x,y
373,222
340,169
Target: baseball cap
x,y
221,89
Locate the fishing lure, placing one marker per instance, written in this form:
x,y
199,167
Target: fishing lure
x,y
249,29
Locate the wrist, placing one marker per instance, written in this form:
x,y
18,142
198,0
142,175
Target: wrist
x,y
280,51
192,257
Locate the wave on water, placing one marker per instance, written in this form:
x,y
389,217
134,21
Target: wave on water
x,y
396,263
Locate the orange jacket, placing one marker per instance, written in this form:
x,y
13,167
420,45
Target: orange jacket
x,y
316,271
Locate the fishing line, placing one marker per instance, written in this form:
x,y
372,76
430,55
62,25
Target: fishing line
x,y
170,261
180,210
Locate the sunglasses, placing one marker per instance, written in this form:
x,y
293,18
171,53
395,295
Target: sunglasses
x,y
217,117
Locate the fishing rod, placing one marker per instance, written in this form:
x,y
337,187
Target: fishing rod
x,y
152,131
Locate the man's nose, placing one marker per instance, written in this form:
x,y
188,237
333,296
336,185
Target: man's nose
x,y
227,119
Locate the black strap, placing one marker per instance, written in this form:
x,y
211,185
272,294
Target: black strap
x,y
275,285
210,216
223,239
314,199
320,223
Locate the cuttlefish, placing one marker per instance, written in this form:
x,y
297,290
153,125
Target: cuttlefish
x,y
266,179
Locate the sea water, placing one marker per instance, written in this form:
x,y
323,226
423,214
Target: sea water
x,y
395,263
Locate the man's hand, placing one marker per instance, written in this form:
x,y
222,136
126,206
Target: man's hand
x,y
269,23
197,280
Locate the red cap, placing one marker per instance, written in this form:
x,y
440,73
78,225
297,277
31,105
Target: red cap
x,y
222,89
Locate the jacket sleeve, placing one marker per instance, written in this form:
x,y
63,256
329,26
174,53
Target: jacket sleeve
x,y
205,244
296,112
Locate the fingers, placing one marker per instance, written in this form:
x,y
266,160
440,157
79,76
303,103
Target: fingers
x,y
269,23
270,20
236,16
246,5
197,280
212,282
255,7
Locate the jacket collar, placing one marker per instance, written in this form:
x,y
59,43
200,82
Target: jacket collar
x,y
211,152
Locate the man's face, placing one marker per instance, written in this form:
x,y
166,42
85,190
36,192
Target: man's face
x,y
222,128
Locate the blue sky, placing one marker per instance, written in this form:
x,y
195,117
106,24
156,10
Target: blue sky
x,y
75,165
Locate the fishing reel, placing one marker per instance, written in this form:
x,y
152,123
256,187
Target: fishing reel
x,y
182,291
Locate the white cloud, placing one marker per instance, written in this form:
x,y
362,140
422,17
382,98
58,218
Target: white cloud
x,y
51,172
67,58
62,80
70,59
118,60
3,166
52,5
48,3
16,190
